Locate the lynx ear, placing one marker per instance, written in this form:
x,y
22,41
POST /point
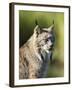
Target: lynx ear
x,y
50,28
37,29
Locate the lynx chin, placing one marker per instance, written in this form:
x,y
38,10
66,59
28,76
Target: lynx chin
x,y
36,53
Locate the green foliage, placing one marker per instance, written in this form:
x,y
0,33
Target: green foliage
x,y
45,19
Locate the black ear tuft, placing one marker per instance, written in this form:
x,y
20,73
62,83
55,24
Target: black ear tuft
x,y
36,22
53,21
37,29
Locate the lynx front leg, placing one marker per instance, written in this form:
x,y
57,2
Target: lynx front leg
x,y
32,72
32,76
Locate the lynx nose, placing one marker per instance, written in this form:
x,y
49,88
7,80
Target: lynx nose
x,y
51,46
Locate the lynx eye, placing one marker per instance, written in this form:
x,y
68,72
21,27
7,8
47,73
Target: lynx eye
x,y
51,38
46,39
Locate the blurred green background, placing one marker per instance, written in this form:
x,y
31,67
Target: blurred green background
x,y
45,19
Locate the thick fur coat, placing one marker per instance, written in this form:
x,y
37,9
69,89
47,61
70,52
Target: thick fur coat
x,y
36,53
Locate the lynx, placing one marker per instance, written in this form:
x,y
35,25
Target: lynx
x,y
36,53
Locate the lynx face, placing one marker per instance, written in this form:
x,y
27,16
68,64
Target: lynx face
x,y
45,38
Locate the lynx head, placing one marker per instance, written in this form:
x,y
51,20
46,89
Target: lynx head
x,y
44,38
